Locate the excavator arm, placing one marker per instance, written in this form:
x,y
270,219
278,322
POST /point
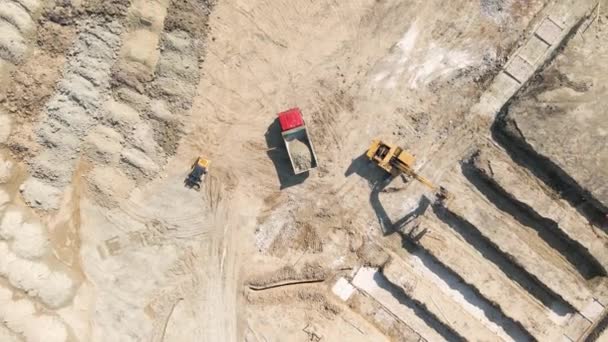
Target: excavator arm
x,y
395,160
441,193
408,171
424,181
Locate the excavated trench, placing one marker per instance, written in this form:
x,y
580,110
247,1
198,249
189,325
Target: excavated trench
x,y
547,229
472,295
419,308
598,330
507,134
504,262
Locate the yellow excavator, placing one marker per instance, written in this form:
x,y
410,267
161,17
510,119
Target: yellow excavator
x,y
396,161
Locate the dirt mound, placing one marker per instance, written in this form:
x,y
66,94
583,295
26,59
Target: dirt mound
x,y
301,155
289,276
307,296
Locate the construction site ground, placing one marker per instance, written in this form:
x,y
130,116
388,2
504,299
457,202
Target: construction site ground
x,y
104,106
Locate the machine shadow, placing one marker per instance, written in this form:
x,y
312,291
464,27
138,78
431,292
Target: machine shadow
x,y
386,223
364,169
378,180
277,153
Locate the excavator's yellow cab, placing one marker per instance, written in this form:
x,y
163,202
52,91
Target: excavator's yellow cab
x,y
406,158
384,155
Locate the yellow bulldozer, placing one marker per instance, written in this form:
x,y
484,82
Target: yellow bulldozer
x,y
198,171
396,161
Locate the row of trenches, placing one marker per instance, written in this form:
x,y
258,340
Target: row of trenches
x,y
521,243
505,132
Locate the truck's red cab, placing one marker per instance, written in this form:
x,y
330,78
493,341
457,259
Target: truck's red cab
x,y
290,119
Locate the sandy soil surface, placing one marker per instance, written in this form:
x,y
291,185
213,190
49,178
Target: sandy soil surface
x,y
105,104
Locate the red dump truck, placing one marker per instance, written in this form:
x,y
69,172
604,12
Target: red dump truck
x,y
297,141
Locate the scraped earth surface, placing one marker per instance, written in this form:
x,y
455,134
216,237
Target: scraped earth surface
x,y
105,104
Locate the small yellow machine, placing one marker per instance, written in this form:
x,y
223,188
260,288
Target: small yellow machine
x,y
395,160
197,172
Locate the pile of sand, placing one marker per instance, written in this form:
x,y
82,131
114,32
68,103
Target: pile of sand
x,y
300,154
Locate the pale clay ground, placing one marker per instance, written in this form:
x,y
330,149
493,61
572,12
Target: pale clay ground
x,y
101,241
